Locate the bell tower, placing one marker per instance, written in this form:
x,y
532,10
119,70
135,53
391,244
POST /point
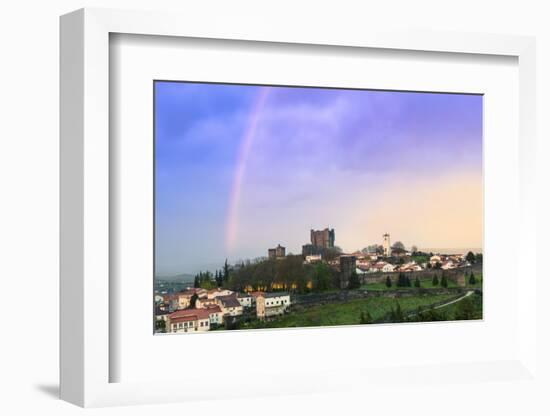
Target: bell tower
x,y
386,245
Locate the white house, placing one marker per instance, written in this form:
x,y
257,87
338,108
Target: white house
x,y
448,265
381,266
215,314
410,267
271,304
435,259
230,305
188,320
314,258
360,271
245,300
204,303
215,293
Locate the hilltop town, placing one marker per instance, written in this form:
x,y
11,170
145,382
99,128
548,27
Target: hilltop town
x,y
380,283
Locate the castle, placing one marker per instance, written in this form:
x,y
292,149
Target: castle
x,y
320,240
277,252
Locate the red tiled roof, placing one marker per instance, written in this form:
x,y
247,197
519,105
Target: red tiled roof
x,y
189,318
213,309
188,315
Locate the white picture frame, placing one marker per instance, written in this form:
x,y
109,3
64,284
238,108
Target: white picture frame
x,y
85,196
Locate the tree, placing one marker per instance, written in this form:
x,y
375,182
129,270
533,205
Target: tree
x,y
470,257
479,258
464,310
437,265
321,277
160,325
219,278
365,318
396,315
435,280
193,300
197,282
388,282
414,249
231,323
373,249
398,245
403,280
417,282
444,282
429,315
354,282
472,279
225,278
398,248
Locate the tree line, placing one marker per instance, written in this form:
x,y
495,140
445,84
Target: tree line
x,y
286,274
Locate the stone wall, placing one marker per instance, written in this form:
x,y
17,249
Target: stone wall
x,y
312,299
453,274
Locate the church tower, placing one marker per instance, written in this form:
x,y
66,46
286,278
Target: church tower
x,y
386,245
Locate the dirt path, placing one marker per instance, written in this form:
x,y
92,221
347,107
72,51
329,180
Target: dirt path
x,y
469,293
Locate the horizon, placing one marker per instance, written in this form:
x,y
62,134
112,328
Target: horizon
x,y
241,168
218,266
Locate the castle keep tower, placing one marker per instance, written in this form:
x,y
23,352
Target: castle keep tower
x,y
386,245
322,238
277,252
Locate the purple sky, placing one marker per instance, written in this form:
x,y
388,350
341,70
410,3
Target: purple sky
x,y
243,168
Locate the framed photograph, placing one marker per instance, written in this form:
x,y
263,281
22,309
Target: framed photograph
x,y
240,169
274,200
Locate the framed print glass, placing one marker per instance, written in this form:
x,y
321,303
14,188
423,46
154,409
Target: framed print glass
x,y
246,177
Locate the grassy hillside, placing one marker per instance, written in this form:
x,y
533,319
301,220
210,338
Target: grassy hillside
x,y
348,313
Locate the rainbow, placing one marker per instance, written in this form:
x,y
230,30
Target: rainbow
x,y
231,221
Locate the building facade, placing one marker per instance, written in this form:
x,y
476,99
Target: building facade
x,y
245,300
277,252
189,320
271,304
322,238
230,305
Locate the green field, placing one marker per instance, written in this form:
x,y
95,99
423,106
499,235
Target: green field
x,y
451,310
348,313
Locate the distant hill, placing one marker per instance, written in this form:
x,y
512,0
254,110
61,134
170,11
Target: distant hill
x,y
182,277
